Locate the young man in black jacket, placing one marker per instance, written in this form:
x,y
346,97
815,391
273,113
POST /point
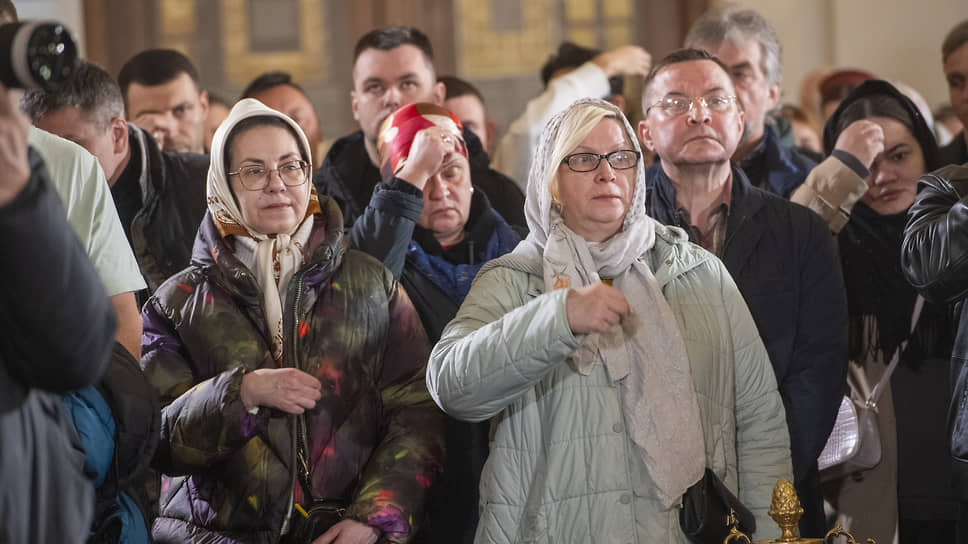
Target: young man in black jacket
x,y
59,326
393,67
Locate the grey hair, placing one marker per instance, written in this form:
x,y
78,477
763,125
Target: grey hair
x,y
732,24
90,89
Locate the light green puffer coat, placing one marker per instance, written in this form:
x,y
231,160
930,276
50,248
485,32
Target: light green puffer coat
x,y
562,468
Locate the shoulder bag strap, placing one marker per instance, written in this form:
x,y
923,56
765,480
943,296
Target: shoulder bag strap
x,y
882,383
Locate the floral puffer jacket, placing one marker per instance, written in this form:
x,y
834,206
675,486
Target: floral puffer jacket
x,y
375,438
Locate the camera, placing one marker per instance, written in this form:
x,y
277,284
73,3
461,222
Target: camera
x,y
36,54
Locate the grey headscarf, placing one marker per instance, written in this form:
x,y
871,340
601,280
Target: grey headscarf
x,y
646,355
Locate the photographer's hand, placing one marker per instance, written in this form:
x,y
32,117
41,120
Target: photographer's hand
x,y
14,168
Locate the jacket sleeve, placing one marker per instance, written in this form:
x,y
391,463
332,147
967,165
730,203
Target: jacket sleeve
x,y
58,323
386,226
762,438
934,254
517,146
203,421
814,383
498,346
831,190
394,484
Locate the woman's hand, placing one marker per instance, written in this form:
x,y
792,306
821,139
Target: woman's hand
x,y
288,389
429,151
595,308
863,139
348,531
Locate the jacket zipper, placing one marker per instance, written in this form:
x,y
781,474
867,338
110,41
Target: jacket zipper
x,y
295,427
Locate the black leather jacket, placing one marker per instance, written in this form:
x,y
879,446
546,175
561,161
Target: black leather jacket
x,y
934,258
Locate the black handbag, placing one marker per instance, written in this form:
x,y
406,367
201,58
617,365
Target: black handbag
x,y
321,515
706,509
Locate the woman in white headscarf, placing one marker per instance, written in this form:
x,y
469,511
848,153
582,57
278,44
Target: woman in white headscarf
x,y
291,370
619,359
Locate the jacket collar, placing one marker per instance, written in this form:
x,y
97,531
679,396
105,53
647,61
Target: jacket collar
x,y
745,202
326,250
772,159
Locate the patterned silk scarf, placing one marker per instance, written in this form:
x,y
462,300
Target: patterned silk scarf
x,y
273,259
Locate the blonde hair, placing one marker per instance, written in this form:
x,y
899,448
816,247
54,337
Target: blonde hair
x,y
575,126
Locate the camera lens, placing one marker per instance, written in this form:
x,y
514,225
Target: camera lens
x,y
36,54
51,55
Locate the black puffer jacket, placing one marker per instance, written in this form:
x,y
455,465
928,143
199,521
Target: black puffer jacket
x,y
934,258
348,176
173,189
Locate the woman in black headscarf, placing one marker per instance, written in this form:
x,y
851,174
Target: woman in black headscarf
x,y
909,488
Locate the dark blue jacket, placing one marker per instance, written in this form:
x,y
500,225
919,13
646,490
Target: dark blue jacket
x,y
773,167
786,266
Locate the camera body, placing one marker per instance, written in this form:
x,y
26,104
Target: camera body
x,y
36,54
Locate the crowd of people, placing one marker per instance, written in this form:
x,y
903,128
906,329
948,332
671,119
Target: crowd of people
x,y
222,327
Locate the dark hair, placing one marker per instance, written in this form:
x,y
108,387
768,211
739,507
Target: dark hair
x,y
9,10
392,37
677,56
215,98
875,105
458,87
572,55
155,67
270,80
957,37
90,89
250,123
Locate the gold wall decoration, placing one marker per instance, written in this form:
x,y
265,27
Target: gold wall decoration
x,y
178,26
484,51
242,64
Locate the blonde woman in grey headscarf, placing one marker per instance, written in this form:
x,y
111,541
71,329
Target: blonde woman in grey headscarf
x,y
617,359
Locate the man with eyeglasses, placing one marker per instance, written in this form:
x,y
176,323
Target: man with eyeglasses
x,y
159,195
780,254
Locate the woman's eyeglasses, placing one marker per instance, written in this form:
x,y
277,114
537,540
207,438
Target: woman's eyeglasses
x,y
256,178
586,162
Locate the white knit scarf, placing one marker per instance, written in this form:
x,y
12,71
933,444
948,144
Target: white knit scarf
x,y
272,259
646,356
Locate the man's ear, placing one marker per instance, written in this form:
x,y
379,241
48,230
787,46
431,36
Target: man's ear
x,y
490,128
119,134
354,104
645,135
203,100
439,91
773,97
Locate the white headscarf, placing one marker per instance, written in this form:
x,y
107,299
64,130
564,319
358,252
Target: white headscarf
x,y
646,356
272,259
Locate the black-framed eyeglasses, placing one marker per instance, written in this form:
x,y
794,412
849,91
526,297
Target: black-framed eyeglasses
x,y
621,159
255,178
677,104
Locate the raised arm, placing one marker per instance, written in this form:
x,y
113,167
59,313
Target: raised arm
x,y
484,359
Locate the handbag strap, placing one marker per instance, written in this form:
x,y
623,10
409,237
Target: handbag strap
x,y
882,383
